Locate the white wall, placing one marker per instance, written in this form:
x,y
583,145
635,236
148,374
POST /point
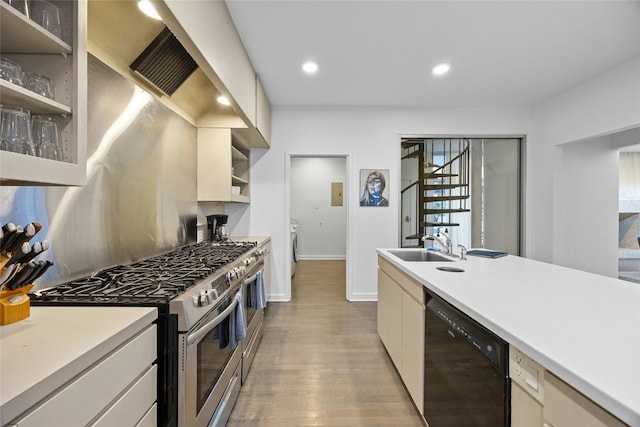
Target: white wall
x,y
370,140
586,224
601,106
321,227
369,137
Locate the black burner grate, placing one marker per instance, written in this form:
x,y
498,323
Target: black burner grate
x,y
155,280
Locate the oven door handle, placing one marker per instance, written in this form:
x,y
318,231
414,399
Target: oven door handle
x,y
196,336
252,278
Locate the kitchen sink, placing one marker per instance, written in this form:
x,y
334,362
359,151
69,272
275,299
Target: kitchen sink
x,y
418,255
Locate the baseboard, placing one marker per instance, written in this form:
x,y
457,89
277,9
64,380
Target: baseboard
x,y
321,257
364,297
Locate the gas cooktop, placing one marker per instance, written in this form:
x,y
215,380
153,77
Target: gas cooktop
x,y
152,281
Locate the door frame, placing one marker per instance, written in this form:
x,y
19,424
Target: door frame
x,y
522,202
287,217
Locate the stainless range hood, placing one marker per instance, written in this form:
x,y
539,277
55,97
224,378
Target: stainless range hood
x,y
118,34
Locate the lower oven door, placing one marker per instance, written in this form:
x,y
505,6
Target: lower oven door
x,y
252,303
209,369
254,309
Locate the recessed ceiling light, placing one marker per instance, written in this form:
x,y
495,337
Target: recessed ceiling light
x,y
223,100
442,68
147,8
310,67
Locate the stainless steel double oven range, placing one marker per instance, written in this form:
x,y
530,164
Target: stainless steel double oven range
x,y
202,360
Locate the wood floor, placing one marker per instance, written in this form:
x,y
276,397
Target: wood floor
x,y
321,362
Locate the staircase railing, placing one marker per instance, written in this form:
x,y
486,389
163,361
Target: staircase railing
x,y
446,186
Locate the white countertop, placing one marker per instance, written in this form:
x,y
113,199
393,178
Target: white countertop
x,y
583,327
54,344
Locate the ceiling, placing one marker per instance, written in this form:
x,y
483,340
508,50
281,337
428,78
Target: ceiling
x,y
512,53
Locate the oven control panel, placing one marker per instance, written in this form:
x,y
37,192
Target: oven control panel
x,y
236,273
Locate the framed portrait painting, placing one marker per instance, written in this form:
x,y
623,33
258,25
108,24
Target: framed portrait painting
x,y
375,187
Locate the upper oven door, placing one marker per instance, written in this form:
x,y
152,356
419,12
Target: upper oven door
x,y
206,355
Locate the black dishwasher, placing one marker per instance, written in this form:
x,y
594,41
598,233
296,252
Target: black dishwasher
x,y
466,375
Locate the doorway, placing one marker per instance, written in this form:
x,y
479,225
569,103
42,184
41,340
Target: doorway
x,y
318,211
629,217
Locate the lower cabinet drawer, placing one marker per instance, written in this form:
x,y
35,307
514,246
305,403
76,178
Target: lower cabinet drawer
x,y
150,419
79,402
132,406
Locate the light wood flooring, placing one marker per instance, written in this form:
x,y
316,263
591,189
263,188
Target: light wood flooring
x,y
321,362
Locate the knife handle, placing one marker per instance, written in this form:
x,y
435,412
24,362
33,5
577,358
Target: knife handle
x,y
28,232
7,274
22,256
42,267
10,237
19,279
7,231
9,226
37,226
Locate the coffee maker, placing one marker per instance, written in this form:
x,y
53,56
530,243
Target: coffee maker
x,y
217,227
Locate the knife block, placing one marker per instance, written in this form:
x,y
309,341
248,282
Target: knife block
x,y
15,305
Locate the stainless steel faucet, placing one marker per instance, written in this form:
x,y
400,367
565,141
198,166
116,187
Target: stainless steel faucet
x,y
463,253
443,239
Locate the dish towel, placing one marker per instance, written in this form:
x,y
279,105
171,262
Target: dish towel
x,y
238,329
259,300
221,333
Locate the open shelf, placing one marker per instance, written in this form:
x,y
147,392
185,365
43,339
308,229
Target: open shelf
x,y
19,34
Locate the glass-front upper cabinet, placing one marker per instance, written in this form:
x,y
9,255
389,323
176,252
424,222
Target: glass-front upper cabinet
x,y
43,92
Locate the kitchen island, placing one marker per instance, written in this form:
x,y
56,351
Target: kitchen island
x,y
79,366
581,327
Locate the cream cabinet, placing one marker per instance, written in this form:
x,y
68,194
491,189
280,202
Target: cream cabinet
x,y
566,407
73,366
539,398
263,112
390,316
401,312
64,60
223,166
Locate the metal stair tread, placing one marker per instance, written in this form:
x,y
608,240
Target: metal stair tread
x,y
444,186
430,199
445,210
440,224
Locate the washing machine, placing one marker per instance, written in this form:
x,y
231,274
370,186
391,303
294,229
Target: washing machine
x,y
294,245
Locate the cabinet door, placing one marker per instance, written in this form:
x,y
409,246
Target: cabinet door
x,y
389,316
214,164
564,406
525,410
412,370
263,112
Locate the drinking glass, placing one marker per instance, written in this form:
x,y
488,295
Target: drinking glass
x,y
47,15
11,71
20,5
39,84
15,130
46,137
